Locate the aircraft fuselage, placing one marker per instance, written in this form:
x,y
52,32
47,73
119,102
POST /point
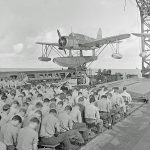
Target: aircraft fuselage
x,y
74,41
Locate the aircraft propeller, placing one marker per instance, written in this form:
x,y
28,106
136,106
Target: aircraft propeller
x,y
62,41
59,33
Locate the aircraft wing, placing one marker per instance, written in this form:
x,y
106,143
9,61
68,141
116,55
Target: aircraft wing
x,y
142,35
107,40
46,43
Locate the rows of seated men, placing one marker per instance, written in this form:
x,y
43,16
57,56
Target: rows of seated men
x,y
48,115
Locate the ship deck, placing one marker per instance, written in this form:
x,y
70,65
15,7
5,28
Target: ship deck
x,y
133,133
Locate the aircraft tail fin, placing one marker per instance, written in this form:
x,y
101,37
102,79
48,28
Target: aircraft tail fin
x,y
99,34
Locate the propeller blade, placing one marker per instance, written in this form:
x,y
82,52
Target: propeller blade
x,y
59,33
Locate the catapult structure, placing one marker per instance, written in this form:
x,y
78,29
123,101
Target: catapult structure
x,y
144,7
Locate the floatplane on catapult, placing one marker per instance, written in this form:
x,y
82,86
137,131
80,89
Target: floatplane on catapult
x,y
79,42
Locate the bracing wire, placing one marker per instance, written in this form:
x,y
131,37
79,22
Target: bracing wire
x,y
59,53
49,52
97,55
112,47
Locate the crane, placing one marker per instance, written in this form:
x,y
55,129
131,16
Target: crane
x,y
144,8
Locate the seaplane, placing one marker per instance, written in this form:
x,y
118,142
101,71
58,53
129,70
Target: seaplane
x,y
66,45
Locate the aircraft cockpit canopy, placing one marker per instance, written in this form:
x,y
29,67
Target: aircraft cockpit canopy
x,y
81,37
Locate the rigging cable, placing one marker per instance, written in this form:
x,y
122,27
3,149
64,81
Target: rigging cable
x,y
59,53
98,54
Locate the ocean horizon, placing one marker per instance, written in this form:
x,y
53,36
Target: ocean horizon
x,y
94,70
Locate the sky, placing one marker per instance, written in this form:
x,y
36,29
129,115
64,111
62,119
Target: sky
x,y
24,22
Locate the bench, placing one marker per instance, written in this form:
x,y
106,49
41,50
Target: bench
x,y
92,126
107,119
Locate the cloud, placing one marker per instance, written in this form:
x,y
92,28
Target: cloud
x,y
18,48
8,56
50,35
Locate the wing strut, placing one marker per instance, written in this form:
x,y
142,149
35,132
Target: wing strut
x,y
98,54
